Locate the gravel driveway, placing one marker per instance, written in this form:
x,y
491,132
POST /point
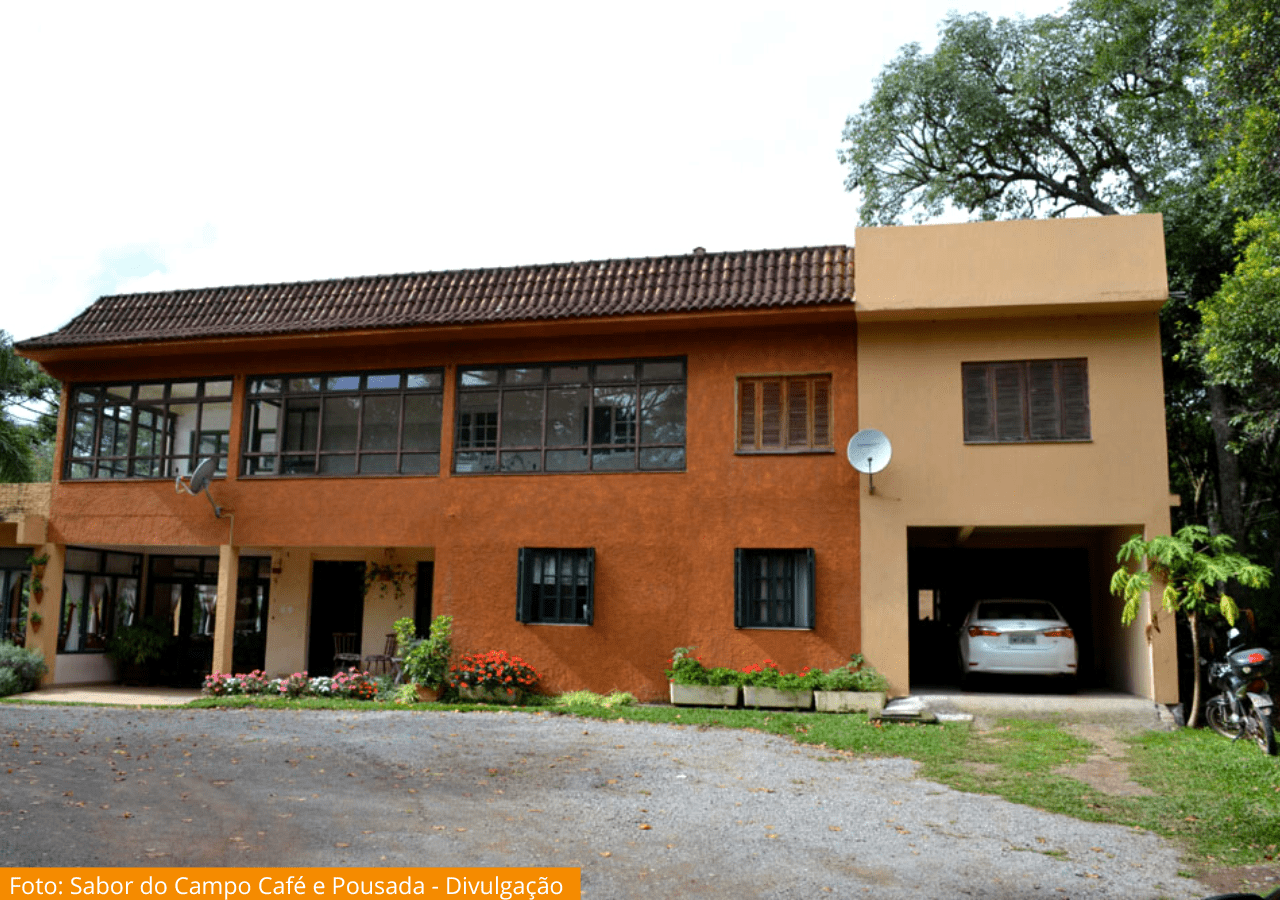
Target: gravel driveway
x,y
644,810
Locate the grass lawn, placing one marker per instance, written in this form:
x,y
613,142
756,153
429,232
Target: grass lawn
x,y
1218,800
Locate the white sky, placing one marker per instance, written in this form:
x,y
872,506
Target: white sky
x,y
185,145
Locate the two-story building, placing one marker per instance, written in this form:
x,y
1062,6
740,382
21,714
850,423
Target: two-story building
x,y
589,464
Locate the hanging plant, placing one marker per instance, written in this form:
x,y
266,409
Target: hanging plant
x,y
37,564
36,620
386,574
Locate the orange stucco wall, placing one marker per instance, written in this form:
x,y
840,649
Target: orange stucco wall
x,y
664,541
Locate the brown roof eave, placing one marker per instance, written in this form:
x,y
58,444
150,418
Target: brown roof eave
x,y
814,313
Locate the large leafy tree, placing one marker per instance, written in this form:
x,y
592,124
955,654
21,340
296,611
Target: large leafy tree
x,y
1084,111
28,417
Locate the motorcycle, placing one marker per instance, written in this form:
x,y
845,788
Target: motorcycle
x,y
1243,708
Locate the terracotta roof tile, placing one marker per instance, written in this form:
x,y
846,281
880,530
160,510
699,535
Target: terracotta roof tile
x,y
757,279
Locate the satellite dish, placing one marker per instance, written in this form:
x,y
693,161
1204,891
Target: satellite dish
x,y
869,451
199,481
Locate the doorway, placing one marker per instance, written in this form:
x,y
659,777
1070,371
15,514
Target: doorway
x,y
337,604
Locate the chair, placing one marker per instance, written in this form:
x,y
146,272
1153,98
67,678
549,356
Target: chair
x,y
386,661
346,650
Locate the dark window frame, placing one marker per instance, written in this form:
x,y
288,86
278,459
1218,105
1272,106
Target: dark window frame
x,y
572,599
611,435
791,413
1026,401
295,447
111,436
109,612
781,595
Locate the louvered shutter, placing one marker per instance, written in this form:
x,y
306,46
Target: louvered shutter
x,y
979,422
590,559
524,594
770,414
741,592
1044,418
1010,416
1074,382
821,412
798,412
748,421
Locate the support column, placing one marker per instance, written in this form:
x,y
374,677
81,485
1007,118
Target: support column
x,y
49,608
224,628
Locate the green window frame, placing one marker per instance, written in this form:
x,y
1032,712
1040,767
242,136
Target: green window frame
x,y
774,588
556,585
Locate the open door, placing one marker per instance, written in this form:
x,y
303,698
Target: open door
x,y
337,604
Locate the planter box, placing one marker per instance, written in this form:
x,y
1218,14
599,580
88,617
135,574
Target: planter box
x,y
772,698
490,695
703,695
869,702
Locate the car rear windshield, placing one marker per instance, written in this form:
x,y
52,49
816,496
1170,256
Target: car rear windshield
x,y
1016,609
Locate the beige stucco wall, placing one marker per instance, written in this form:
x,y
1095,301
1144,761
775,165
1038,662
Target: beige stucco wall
x,y
910,388
1005,268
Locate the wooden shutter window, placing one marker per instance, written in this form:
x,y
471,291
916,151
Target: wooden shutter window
x,y
784,413
1026,401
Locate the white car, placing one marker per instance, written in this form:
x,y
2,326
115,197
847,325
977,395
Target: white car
x,y
1017,637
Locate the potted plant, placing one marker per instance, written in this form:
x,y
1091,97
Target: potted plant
x,y
137,648
36,584
36,620
693,683
853,687
495,676
425,661
767,685
386,574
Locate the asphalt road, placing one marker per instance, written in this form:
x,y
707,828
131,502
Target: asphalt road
x,y
643,810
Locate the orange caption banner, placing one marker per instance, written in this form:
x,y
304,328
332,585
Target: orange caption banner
x,y
146,883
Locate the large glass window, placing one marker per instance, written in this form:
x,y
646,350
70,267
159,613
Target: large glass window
x,y
14,572
99,595
556,585
571,417
774,588
360,423
153,429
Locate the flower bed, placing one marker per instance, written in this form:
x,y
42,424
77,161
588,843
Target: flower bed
x,y
348,685
495,674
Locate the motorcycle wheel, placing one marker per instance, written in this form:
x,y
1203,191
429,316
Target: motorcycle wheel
x,y
1217,712
1260,727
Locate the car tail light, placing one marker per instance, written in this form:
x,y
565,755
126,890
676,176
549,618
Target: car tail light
x,y
1059,632
979,631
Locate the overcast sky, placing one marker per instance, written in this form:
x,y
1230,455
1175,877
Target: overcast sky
x,y
184,145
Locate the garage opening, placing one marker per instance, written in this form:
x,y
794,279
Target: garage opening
x,y
949,569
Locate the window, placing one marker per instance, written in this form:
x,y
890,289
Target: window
x,y
14,572
556,585
1024,401
100,594
571,417
784,413
153,429
773,588
360,423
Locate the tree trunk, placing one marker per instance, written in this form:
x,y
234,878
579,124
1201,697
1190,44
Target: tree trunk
x,y
1194,719
1230,501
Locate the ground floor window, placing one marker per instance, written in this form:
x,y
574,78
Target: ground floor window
x,y
99,595
773,588
556,585
182,592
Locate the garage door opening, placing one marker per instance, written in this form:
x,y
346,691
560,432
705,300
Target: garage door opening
x,y
951,569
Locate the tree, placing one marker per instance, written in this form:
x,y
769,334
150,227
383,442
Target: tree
x,y
1090,110
1195,568
29,417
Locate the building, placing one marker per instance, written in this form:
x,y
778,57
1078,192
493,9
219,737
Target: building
x,y
589,464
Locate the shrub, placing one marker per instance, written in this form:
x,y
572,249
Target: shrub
x,y
495,670
685,668
855,675
140,644
425,661
25,666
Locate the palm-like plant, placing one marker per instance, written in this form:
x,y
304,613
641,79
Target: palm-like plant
x,y
1195,568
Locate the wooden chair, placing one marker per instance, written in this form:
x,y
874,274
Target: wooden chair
x,y
386,661
346,650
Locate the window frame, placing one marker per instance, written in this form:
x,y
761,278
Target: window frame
x,y
528,598
751,414
310,402
113,581
803,610
1006,401
168,456
480,445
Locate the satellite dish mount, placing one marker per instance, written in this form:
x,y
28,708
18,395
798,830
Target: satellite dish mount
x,y
199,482
869,451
